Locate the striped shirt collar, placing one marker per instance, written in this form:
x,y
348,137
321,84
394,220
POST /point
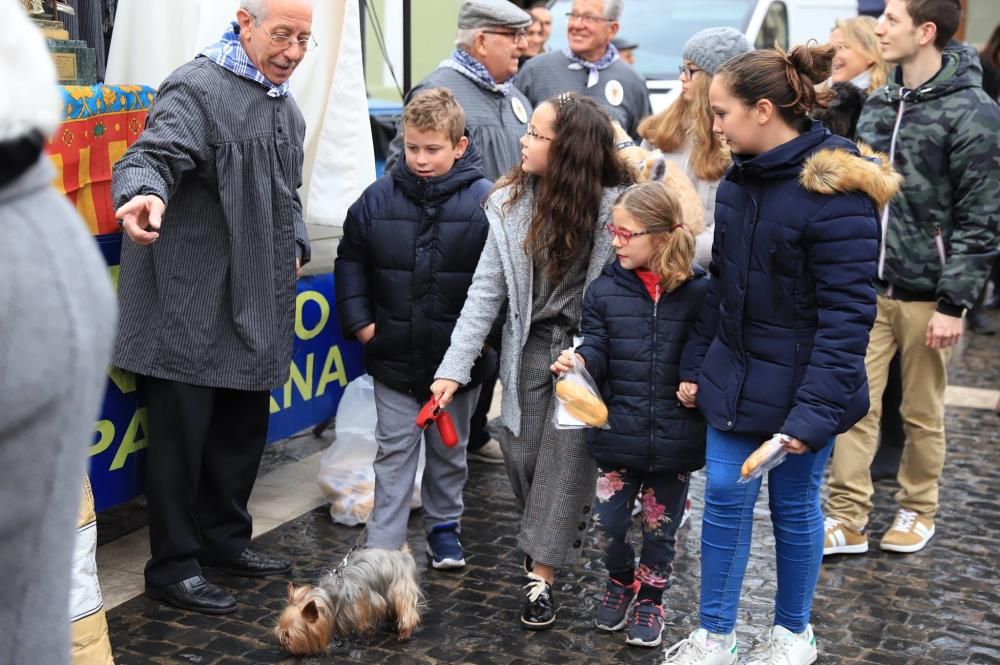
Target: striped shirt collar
x,y
229,54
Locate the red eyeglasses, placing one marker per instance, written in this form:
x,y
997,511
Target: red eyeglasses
x,y
625,236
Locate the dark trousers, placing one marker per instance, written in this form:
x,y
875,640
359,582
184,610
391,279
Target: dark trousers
x,y
205,446
662,495
479,435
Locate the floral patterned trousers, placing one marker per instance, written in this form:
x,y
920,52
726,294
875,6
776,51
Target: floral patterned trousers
x,y
661,495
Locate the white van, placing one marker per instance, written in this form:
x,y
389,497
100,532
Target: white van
x,y
661,27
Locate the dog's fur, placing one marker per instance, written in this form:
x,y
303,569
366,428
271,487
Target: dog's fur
x,y
375,584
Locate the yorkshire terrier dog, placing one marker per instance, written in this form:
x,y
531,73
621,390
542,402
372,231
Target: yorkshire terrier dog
x,y
373,584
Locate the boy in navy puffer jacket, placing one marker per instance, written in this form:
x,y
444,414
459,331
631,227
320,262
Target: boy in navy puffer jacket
x,y
636,319
410,247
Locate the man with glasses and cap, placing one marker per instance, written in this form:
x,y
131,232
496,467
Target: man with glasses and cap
x,y
590,65
214,241
492,35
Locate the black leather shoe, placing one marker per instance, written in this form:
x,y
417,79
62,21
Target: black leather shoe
x,y
255,564
195,594
540,608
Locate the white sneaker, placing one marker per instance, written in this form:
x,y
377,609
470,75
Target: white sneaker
x,y
784,647
697,649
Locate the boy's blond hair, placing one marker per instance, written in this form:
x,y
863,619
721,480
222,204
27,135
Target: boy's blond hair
x,y
654,207
436,109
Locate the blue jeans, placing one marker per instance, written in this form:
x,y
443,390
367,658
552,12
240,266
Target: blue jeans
x,y
793,487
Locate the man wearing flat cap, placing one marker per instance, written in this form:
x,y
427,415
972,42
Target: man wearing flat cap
x,y
491,38
590,65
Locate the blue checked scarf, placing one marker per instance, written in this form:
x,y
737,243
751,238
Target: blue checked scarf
x,y
229,54
466,65
593,68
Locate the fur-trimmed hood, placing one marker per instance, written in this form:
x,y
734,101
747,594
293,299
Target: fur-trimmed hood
x,y
835,171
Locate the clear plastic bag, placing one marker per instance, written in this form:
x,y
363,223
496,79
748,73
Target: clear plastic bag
x,y
346,471
579,404
770,454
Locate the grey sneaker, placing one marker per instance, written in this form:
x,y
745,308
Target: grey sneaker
x,y
612,612
646,627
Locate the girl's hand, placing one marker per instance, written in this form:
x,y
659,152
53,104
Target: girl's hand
x,y
444,390
686,393
794,446
564,362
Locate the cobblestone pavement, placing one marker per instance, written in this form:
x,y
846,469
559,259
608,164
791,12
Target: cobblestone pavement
x,y
941,605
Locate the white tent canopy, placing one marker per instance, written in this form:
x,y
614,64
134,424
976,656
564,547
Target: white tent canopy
x,y
152,38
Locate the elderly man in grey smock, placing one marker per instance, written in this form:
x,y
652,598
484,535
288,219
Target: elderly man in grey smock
x,y
590,66
480,72
207,291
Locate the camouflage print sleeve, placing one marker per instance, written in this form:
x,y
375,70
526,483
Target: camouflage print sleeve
x,y
975,177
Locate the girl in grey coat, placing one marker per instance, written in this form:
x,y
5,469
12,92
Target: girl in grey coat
x,y
547,242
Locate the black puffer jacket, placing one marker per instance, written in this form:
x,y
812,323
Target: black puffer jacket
x,y
632,348
405,263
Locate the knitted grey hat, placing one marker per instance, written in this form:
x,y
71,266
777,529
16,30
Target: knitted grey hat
x,y
491,13
710,48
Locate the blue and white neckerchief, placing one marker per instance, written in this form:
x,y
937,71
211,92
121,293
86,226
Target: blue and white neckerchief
x,y
593,68
466,65
229,54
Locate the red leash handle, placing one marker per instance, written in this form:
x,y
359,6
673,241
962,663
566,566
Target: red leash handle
x,y
430,414
446,428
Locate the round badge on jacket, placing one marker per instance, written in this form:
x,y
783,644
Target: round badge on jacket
x,y
519,111
614,93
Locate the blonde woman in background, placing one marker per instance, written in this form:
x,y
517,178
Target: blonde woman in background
x,y
858,60
683,131
858,71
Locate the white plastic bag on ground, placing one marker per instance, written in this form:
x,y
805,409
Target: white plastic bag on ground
x,y
346,474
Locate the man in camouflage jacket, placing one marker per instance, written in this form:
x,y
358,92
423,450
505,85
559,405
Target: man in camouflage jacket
x,y
939,235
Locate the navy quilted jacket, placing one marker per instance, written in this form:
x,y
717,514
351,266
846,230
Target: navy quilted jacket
x,y
405,263
632,348
781,343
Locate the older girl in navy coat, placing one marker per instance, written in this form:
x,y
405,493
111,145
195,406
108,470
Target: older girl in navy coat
x,y
636,319
780,346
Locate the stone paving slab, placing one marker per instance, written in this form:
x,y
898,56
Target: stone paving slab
x,y
941,605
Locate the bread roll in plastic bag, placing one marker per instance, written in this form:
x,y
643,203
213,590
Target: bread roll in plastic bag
x,y
579,404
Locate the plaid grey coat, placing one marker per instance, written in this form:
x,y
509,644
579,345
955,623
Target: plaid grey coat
x,y
211,302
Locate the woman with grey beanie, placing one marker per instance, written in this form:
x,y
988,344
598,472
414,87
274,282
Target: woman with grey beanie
x,y
683,131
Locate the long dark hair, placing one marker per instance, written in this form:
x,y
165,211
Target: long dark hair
x,y
787,80
582,162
